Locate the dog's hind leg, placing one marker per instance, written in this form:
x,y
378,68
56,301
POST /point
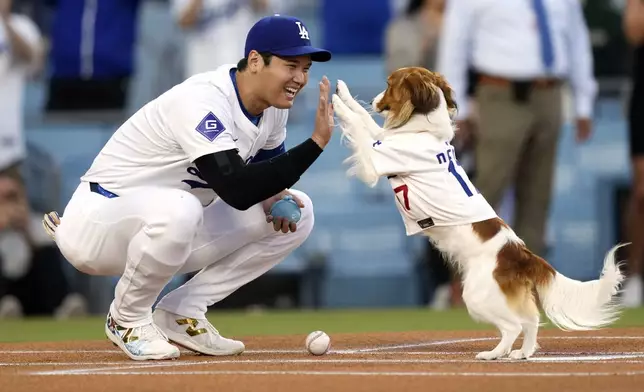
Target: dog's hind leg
x,y
530,329
510,330
491,306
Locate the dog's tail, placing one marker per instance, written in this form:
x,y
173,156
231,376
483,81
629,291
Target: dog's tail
x,y
574,305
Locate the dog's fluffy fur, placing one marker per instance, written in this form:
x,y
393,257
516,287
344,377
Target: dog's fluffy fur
x,y
504,283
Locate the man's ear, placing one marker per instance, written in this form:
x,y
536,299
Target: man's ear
x,y
255,61
422,93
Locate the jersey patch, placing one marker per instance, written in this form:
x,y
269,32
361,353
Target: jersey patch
x,y
426,223
210,126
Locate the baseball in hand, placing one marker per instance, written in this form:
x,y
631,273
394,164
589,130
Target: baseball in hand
x,y
318,343
286,208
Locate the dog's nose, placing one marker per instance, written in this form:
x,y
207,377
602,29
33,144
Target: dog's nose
x,y
371,102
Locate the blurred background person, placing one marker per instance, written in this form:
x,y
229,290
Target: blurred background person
x,y
215,30
32,278
634,31
21,56
523,52
412,38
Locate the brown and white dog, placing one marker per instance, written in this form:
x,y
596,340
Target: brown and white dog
x,y
504,283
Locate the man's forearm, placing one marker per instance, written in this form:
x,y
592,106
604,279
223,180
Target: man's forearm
x,y
242,186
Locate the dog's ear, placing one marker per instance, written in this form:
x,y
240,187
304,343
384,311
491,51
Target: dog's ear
x,y
440,82
422,92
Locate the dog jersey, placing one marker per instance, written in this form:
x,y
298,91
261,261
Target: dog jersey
x,y
430,187
159,143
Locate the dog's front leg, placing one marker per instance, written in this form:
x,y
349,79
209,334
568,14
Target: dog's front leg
x,y
350,122
360,142
353,105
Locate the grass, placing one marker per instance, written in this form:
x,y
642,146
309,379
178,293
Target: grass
x,y
242,323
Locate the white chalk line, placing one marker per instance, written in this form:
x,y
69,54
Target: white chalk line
x,y
471,340
607,358
620,359
365,350
629,357
545,354
352,373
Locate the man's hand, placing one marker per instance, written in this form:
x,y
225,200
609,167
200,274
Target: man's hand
x,y
324,116
280,223
584,129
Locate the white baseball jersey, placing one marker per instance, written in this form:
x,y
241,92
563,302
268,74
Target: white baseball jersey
x,y
430,187
159,143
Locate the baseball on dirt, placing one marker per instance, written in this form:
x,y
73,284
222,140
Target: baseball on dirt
x,y
318,343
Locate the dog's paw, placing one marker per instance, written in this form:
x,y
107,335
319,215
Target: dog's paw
x,y
347,117
518,354
488,355
343,90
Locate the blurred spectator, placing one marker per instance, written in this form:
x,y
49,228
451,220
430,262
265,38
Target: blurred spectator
x,y
524,52
92,52
216,30
32,280
634,31
21,54
412,38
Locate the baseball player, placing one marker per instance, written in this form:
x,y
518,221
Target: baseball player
x,y
185,185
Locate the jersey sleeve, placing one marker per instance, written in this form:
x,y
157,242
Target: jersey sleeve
x,y
201,123
399,155
278,133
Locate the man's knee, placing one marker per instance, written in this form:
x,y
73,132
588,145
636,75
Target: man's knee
x,y
179,217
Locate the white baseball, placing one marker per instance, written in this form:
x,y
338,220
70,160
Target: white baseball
x,y
318,343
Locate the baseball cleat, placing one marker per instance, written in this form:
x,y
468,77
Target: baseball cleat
x,y
50,222
196,334
140,343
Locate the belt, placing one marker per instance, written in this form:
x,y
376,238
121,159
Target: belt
x,y
94,187
538,83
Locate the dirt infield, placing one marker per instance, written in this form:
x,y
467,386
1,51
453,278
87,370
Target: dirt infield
x,y
609,360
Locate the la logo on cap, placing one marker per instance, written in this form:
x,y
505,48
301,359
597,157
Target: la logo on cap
x,y
304,34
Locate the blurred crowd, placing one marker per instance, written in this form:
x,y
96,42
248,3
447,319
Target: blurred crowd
x,y
509,62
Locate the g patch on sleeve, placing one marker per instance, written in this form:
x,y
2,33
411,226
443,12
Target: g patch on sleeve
x,y
210,126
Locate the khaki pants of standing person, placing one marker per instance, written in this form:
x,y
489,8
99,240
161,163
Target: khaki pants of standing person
x,y
517,144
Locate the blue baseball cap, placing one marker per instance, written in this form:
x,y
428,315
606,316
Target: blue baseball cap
x,y
283,36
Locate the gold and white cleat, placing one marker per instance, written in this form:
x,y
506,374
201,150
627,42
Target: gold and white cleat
x,y
196,334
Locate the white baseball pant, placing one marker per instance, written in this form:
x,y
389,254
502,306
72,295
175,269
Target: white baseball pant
x,y
152,234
